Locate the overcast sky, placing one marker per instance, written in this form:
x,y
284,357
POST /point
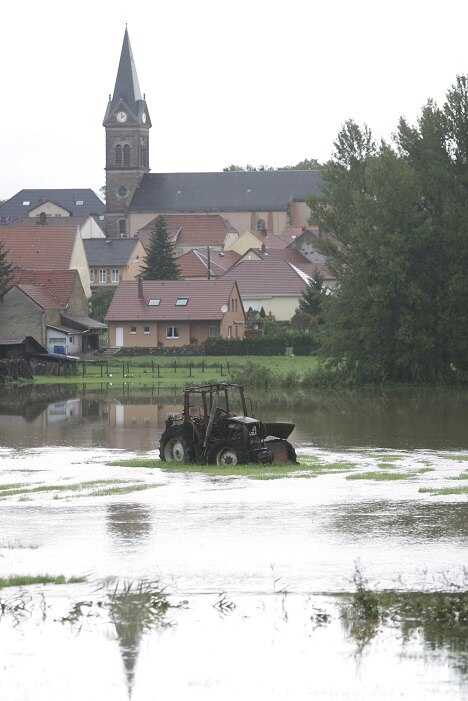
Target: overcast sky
x,y
251,81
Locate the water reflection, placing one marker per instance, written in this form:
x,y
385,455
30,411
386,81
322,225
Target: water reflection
x,y
133,418
404,520
128,521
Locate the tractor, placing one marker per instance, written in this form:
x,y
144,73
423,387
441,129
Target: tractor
x,y
215,429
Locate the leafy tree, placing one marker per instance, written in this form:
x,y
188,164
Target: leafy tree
x,y
160,261
100,302
306,164
6,270
395,223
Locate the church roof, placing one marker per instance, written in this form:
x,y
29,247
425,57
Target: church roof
x,y
230,191
80,202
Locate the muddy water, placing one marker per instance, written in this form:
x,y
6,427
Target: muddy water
x,y
261,563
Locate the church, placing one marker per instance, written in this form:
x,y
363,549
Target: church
x,y
267,201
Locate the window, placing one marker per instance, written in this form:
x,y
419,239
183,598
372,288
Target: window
x,y
79,202
102,276
154,303
212,331
26,203
181,301
115,275
261,225
132,329
91,274
126,156
146,329
172,332
122,228
229,331
118,155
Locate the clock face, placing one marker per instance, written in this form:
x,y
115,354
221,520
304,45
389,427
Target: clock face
x,y
143,117
121,116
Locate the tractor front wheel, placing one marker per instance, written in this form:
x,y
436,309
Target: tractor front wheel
x,y
227,455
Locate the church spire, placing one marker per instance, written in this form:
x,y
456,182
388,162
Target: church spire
x,y
127,88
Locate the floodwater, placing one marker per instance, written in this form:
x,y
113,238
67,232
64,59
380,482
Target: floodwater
x,y
257,571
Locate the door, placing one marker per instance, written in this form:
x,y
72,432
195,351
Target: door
x,y
119,336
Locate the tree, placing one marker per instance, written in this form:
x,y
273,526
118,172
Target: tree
x,y
306,164
6,270
310,301
160,261
100,302
395,223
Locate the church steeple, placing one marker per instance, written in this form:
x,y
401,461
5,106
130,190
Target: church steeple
x,y
127,125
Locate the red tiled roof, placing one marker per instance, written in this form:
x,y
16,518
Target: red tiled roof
x,y
270,240
195,263
205,299
41,296
58,282
269,276
46,247
192,229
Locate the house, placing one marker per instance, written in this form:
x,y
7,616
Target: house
x,y
272,283
50,306
79,202
155,313
248,200
205,264
193,231
251,240
112,260
45,244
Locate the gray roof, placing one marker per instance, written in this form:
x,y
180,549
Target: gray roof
x,y
109,251
24,201
228,191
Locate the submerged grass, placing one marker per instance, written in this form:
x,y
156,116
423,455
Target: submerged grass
x,y
16,580
107,487
444,491
308,466
381,476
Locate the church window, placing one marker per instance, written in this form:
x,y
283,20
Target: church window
x,y
118,155
126,155
122,228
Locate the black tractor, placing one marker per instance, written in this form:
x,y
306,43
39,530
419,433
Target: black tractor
x,y
214,428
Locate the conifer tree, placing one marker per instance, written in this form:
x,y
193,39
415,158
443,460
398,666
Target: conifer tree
x,y
160,260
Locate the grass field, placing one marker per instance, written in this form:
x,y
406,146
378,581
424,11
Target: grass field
x,y
181,371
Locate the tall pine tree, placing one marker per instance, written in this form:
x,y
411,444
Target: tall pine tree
x,y
160,260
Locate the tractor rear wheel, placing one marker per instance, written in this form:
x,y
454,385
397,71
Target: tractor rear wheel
x,y
228,455
175,448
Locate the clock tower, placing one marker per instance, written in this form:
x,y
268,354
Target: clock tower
x,y
127,124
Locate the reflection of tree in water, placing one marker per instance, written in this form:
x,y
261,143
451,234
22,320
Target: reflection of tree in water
x,y
129,521
136,608
415,521
439,619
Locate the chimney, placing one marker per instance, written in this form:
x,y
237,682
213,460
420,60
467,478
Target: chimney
x,y
140,287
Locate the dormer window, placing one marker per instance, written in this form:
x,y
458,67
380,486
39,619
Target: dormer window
x,y
154,303
181,301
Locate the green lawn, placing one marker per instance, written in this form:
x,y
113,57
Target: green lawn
x,y
181,371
